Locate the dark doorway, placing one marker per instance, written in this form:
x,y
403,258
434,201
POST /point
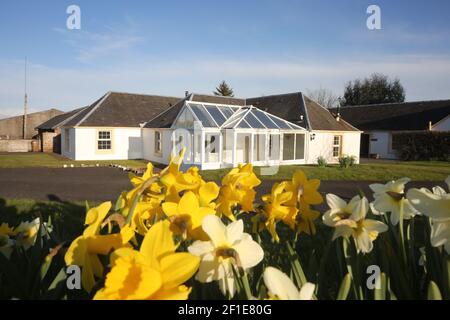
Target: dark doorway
x,y
365,144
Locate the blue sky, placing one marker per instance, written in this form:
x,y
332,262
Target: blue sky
x,y
260,47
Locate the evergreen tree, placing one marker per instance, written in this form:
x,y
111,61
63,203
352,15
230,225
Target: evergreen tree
x,y
224,90
377,88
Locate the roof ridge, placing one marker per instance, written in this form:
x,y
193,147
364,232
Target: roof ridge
x,y
394,103
95,107
213,95
165,111
143,94
277,95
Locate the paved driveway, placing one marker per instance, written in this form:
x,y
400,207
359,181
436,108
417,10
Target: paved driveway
x,y
104,183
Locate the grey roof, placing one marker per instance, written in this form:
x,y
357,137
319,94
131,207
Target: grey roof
x,y
301,110
122,110
217,99
58,120
396,116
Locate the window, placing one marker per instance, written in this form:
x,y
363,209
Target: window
x,y
274,147
396,142
288,146
67,140
212,148
259,147
104,140
158,143
299,146
337,146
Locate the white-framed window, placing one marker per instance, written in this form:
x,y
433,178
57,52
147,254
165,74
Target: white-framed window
x,y
337,146
104,140
158,142
66,140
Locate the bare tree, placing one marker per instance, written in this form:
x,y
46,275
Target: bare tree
x,y
324,96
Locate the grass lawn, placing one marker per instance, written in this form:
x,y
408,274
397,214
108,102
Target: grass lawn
x,y
372,171
46,160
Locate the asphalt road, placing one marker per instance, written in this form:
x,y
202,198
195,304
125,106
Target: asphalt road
x,y
104,183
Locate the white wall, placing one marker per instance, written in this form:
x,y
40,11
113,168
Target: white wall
x,y
126,144
149,145
443,125
380,143
322,145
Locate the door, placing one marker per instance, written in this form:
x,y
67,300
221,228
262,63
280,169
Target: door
x,y
247,149
365,145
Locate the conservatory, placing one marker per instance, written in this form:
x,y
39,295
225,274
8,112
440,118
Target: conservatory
x,y
220,136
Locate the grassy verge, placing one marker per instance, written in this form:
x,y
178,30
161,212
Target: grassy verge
x,y
45,160
380,171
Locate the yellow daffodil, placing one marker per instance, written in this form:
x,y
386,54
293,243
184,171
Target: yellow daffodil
x,y
186,216
305,219
304,190
85,249
207,193
228,247
435,205
26,233
6,243
390,197
275,210
154,272
280,286
364,231
237,190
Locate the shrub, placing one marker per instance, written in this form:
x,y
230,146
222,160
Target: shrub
x,y
346,161
422,145
322,162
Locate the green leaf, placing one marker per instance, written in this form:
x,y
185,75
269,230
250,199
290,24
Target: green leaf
x,y
380,294
61,276
344,289
296,266
433,292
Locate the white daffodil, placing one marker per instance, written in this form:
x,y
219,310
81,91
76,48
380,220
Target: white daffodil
x,y
350,220
280,286
435,205
6,243
340,210
390,197
26,233
228,247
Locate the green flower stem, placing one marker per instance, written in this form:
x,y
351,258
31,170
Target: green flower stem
x,y
402,235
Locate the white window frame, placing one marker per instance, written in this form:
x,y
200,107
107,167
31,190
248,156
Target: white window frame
x,y
101,139
339,146
158,142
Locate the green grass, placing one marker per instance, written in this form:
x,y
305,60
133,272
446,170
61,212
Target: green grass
x,y
46,160
373,171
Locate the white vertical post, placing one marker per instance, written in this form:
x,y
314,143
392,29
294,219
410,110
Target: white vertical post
x,y
202,148
252,141
234,149
220,149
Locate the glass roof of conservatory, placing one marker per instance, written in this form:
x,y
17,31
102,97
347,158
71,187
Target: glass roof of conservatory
x,y
242,117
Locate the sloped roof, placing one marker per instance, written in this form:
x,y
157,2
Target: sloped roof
x,y
122,110
396,116
301,110
58,120
166,118
217,99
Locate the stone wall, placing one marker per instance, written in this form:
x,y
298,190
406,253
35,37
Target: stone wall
x,y
15,145
12,128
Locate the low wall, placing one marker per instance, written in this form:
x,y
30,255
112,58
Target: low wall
x,y
15,145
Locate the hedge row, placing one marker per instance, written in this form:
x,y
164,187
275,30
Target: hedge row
x,y
423,145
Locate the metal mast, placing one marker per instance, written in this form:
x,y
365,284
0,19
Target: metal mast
x,y
25,104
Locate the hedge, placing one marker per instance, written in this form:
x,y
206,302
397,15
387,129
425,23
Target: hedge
x,y
423,145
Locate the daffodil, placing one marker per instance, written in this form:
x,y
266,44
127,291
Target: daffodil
x,y
435,205
304,190
186,216
390,197
6,243
280,286
26,233
350,220
154,272
237,191
85,249
275,210
228,247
